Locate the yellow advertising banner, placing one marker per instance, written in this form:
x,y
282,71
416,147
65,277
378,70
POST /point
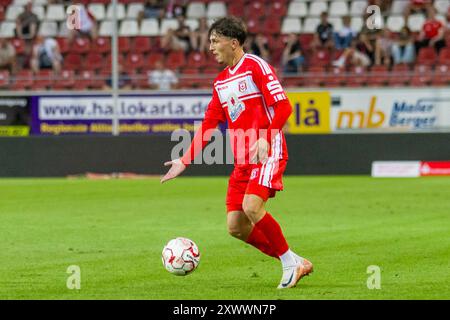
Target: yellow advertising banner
x,y
311,112
14,131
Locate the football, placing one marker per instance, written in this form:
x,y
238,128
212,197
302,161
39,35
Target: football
x,y
180,256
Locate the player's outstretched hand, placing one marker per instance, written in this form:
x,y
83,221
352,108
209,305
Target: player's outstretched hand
x,y
259,151
177,167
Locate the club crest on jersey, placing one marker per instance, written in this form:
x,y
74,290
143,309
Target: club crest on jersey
x,y
242,86
254,173
235,107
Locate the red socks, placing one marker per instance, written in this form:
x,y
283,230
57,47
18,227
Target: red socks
x,y
274,243
259,240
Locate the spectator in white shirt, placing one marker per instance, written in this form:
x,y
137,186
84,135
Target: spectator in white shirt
x,y
344,37
46,54
162,78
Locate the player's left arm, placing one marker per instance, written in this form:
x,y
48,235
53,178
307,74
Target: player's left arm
x,y
273,95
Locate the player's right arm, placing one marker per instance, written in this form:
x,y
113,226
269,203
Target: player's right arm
x,y
213,116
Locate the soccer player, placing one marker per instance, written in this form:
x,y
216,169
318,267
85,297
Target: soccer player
x,y
248,96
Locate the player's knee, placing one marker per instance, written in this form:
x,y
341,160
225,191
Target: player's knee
x,y
235,232
251,209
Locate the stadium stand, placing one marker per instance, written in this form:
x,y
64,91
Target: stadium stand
x,y
87,59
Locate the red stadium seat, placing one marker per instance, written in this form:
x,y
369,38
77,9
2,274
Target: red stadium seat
x,y
306,40
88,80
271,26
43,79
5,3
66,80
255,10
175,60
196,59
72,61
236,8
23,80
63,45
357,77
153,58
444,56
94,61
101,45
316,76
441,75
320,58
335,78
134,61
378,76
277,8
427,56
4,78
142,45
81,45
124,45
400,75
19,45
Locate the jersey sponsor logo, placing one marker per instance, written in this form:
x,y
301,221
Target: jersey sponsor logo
x,y
235,107
254,173
242,86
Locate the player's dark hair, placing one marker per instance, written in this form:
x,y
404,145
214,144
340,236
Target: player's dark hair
x,y
230,27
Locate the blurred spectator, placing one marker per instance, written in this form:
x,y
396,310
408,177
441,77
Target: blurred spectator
x,y
292,58
176,8
46,55
199,37
259,47
7,55
124,80
418,6
344,37
162,78
27,23
88,25
324,33
403,48
432,34
383,49
367,41
355,55
153,9
179,39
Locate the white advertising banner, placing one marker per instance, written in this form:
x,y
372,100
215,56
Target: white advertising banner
x,y
390,110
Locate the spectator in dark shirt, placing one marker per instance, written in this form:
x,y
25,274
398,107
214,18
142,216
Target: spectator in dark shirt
x,y
27,23
179,39
324,33
153,9
259,47
292,58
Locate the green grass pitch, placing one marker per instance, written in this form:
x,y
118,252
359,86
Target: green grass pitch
x,y
114,230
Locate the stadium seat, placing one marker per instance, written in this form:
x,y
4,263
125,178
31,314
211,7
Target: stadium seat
x,y
196,10
336,23
395,23
297,9
19,45
444,56
106,28
134,61
271,26
23,80
7,29
357,23
422,76
310,24
133,10
168,23
4,79
442,6
317,7
415,22
398,7
378,76
142,45
175,60
320,58
65,80
427,56
72,61
120,11
97,10
153,58
63,44
196,60
149,27
43,79
124,44
48,29
81,45
94,61
55,12
357,77
236,8
291,25
255,10
101,45
13,12
338,8
253,25
277,9
335,78
400,75
216,9
441,75
128,28
358,8
316,76
39,11
63,31
193,24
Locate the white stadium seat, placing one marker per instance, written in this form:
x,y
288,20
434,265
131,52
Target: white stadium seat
x,y
129,28
338,8
134,9
149,27
48,29
39,11
310,24
442,6
55,12
168,23
357,23
98,11
358,7
106,27
192,24
196,10
120,12
297,9
398,7
395,23
336,22
216,9
416,21
7,29
13,12
291,25
317,7
63,31
20,2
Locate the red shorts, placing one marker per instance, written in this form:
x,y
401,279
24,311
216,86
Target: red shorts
x,y
262,180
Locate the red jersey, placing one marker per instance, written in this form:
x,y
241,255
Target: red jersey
x,y
431,28
244,96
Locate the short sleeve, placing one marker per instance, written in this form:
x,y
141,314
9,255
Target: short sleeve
x,y
214,109
267,81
